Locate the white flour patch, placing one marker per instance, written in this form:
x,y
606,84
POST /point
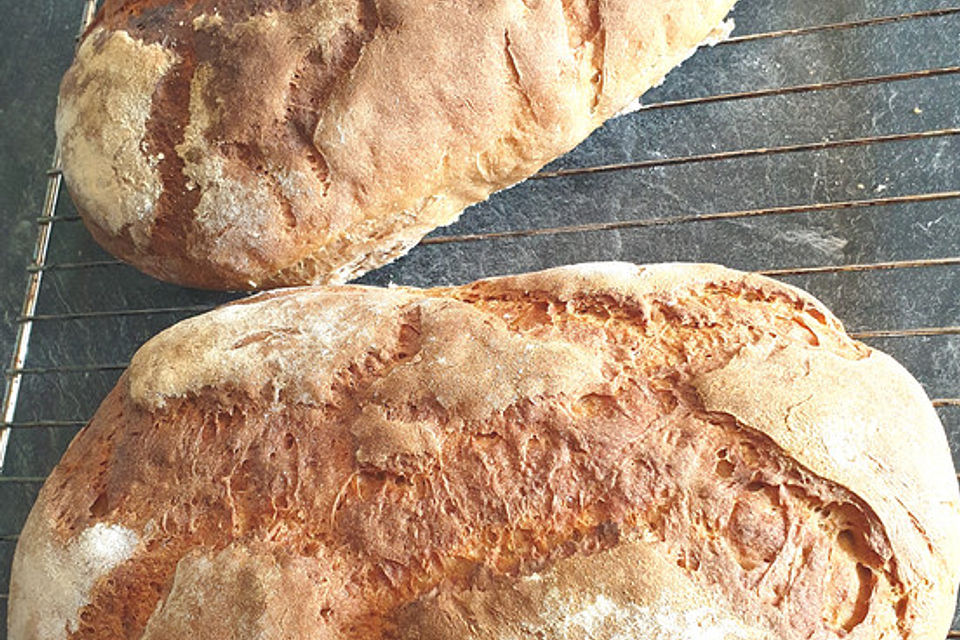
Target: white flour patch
x,y
273,342
101,126
602,617
51,583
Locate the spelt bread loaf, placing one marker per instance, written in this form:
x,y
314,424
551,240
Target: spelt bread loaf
x,y
249,144
599,451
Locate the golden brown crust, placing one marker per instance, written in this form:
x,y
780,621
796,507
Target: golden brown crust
x,y
583,452
275,143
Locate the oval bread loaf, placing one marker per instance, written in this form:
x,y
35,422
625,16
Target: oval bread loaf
x,y
599,451
240,144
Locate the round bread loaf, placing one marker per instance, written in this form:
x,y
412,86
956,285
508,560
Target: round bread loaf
x,y
248,144
599,451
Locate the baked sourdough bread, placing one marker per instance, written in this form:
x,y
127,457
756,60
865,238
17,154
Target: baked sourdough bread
x,y
248,144
601,451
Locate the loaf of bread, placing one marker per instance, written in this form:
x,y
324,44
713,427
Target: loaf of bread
x,y
248,144
676,452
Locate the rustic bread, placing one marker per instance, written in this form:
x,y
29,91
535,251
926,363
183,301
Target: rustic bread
x,y
250,144
599,451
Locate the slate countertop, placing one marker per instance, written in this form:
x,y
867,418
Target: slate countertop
x,y
36,46
827,148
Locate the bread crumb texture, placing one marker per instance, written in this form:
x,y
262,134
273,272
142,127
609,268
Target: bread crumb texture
x,y
259,144
593,452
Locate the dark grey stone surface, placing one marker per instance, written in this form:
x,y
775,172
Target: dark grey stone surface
x,y
715,209
36,44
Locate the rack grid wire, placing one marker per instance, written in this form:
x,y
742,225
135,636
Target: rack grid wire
x,y
820,146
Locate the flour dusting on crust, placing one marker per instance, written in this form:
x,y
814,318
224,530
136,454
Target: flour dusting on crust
x,y
271,341
294,344
604,618
101,126
52,581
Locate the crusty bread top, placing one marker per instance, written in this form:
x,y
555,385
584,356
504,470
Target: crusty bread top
x,y
586,452
239,144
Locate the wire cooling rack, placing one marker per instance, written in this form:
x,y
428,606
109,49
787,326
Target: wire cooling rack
x,y
820,145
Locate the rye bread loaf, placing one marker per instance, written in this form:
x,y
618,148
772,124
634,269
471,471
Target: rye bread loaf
x,y
600,451
249,144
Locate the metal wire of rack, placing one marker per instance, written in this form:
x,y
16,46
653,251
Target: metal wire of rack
x,y
906,264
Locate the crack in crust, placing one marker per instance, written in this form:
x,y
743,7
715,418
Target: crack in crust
x,y
516,77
